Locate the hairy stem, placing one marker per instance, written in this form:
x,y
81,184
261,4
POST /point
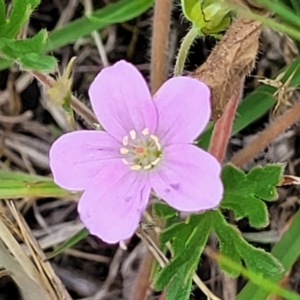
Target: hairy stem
x,y
267,136
160,38
184,50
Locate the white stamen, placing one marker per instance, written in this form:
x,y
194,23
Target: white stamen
x,y
132,134
155,162
125,140
145,131
147,167
124,150
135,167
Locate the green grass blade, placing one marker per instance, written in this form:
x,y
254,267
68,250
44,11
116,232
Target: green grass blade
x,y
80,235
18,189
118,12
287,250
19,176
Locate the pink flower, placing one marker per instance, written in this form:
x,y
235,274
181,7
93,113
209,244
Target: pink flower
x,y
147,146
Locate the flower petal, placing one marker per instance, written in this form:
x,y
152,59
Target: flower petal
x,y
112,205
188,178
76,157
183,107
122,101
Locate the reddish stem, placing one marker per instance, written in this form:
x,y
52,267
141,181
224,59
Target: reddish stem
x,y
222,129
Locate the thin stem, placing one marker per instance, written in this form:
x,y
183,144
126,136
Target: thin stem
x,y
88,5
160,38
184,50
267,136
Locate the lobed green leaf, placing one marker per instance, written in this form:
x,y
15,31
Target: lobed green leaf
x,y
244,192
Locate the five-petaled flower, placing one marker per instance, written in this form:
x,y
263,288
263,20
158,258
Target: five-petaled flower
x,y
147,146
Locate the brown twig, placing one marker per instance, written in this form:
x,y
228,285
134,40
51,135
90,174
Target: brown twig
x,y
267,136
76,104
27,115
160,38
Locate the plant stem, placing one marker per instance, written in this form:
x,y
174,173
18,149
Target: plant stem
x,y
222,129
160,38
184,50
267,136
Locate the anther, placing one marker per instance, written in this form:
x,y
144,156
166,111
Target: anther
x,y
125,140
135,167
147,167
124,150
145,131
132,134
155,162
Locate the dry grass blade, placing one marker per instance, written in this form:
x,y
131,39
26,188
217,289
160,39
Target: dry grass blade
x,y
49,278
29,288
17,251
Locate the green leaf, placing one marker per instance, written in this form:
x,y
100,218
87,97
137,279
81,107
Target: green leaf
x,y
244,193
20,13
179,287
2,13
34,61
257,279
113,13
82,234
17,48
287,250
236,248
164,211
188,240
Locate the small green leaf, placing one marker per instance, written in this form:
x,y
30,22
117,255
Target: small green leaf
x,y
20,13
244,193
164,211
34,61
17,48
82,234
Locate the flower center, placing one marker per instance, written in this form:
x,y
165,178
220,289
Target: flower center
x,y
141,151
